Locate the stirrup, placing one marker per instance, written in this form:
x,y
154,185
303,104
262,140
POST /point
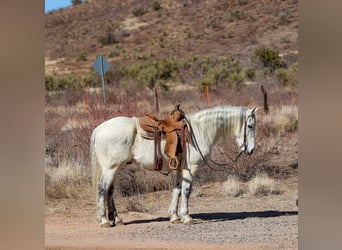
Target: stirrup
x,y
171,163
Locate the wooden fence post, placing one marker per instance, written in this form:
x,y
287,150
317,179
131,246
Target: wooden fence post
x,y
157,101
207,96
266,109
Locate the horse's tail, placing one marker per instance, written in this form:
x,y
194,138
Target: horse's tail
x,y
95,169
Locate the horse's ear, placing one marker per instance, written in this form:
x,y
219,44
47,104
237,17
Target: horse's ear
x,y
254,109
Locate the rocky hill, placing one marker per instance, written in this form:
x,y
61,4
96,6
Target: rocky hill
x,y
126,31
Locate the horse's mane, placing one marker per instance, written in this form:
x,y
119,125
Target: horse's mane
x,y
228,119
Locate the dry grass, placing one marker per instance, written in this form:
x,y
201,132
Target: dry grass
x,y
232,186
132,180
262,185
282,119
68,180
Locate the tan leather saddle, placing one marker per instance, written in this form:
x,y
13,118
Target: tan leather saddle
x,y
176,133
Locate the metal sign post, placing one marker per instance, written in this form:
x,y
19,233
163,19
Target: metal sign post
x,y
101,65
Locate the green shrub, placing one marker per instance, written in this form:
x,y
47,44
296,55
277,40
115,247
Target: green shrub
x,y
82,57
55,83
206,81
284,17
156,5
108,38
250,73
236,15
235,80
138,11
269,58
287,77
76,2
114,53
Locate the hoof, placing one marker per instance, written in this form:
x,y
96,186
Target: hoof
x,y
187,220
174,219
106,224
118,221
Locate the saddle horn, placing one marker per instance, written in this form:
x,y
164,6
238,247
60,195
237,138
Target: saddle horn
x,y
176,108
180,114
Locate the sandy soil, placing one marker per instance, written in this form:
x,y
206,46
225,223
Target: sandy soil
x,y
220,222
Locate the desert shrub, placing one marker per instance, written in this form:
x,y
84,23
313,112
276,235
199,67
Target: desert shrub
x,y
236,15
269,58
250,73
283,119
114,53
138,11
243,2
235,80
82,57
148,76
55,83
214,75
232,186
156,5
108,38
68,180
132,181
287,77
284,17
206,81
262,185
220,71
135,204
76,2
152,73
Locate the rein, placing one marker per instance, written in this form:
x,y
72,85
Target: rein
x,y
212,161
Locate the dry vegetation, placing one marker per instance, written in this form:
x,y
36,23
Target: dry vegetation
x,y
177,49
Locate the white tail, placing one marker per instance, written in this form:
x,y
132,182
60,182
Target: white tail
x,y
95,169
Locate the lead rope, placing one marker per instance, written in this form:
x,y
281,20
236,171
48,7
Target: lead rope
x,y
201,154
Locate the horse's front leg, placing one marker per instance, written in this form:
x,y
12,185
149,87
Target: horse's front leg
x,y
186,190
174,218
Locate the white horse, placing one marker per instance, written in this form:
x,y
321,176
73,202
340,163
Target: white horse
x,y
116,142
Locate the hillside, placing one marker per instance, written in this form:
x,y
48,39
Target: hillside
x,y
126,31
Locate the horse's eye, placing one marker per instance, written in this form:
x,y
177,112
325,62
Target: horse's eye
x,y
250,126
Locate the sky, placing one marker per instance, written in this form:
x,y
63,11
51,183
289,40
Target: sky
x,y
56,4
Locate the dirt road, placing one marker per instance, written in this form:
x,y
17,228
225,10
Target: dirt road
x,y
220,222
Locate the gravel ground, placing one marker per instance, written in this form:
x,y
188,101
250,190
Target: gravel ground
x,y
220,222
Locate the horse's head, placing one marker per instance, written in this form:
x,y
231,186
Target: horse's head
x,y
246,138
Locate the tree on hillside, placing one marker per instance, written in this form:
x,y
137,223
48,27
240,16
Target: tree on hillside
x,y
75,2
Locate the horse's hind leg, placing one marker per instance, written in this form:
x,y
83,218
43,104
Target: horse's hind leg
x,y
101,194
105,193
112,213
174,218
110,203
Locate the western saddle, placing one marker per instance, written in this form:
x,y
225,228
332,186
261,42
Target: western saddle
x,y
175,131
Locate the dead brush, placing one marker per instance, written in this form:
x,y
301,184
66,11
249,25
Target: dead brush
x,y
232,186
66,181
280,120
135,181
262,185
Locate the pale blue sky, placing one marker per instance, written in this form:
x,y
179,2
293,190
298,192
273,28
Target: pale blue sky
x,y
56,4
